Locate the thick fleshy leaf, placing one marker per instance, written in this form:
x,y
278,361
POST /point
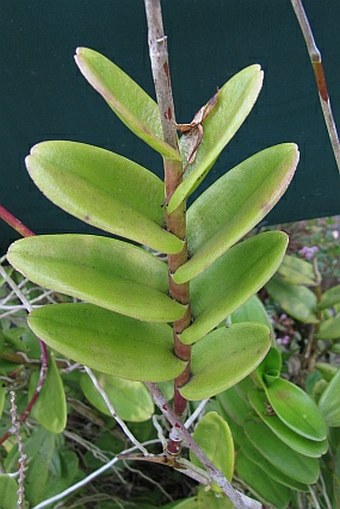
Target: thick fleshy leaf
x,y
329,329
103,189
131,400
225,357
106,272
50,409
40,449
297,301
213,435
268,468
8,492
265,488
108,342
270,367
231,280
296,271
128,100
234,204
252,311
330,298
329,402
294,440
234,406
234,102
296,409
301,468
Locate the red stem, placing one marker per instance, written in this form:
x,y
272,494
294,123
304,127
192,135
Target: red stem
x,y
17,225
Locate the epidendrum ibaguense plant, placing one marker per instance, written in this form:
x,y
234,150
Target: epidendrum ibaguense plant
x,y
146,320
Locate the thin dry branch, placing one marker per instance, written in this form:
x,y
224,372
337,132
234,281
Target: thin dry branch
x,y
320,78
239,500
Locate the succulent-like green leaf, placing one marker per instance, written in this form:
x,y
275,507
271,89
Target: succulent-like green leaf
x,y
296,409
208,499
252,311
231,280
234,102
330,298
40,449
8,492
106,272
329,329
103,189
268,468
214,437
294,440
234,204
108,342
128,100
225,357
50,409
301,468
265,488
131,400
329,402
234,406
296,271
297,301
270,367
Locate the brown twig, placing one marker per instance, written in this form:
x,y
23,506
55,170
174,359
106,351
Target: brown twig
x,y
25,232
238,499
316,61
173,172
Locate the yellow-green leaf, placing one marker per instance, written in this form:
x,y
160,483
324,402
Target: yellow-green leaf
x,y
296,271
301,468
8,492
234,102
126,98
225,357
296,409
214,437
329,329
329,402
50,409
106,272
297,301
264,487
103,189
108,342
231,280
234,204
294,440
252,311
330,298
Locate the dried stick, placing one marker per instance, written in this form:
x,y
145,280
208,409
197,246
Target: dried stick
x,y
15,430
173,172
239,500
26,232
114,414
316,61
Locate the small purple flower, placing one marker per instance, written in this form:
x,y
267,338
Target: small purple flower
x,y
308,252
285,340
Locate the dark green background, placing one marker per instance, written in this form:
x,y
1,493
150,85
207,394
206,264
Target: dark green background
x,y
43,96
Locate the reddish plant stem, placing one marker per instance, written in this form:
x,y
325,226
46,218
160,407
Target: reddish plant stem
x,y
17,225
173,173
12,221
